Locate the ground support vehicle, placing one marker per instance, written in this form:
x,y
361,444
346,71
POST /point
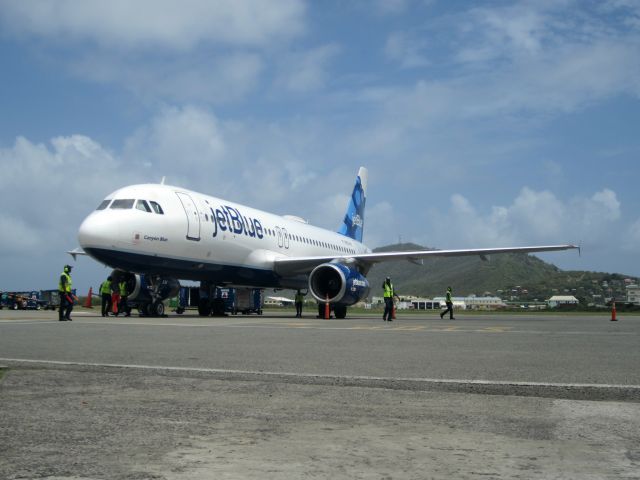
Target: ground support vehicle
x,y
218,301
21,300
248,300
50,299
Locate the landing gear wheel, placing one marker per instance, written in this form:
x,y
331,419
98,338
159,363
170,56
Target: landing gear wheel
x,y
340,311
143,309
332,310
157,309
218,307
204,308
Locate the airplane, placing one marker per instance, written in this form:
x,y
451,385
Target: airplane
x,y
154,235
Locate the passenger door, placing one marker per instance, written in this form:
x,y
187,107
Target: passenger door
x,y
193,217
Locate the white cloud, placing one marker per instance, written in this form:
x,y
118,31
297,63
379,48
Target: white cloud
x,y
306,71
162,50
146,24
217,78
633,236
251,163
382,225
393,7
51,188
407,49
17,236
533,217
188,139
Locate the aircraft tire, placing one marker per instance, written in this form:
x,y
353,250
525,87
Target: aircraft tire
x,y
157,308
218,307
340,311
204,308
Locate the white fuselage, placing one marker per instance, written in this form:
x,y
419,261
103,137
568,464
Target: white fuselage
x,y
160,229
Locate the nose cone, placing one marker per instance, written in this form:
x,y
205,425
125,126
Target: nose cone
x,y
96,231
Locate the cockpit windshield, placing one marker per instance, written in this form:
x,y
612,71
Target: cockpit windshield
x,y
123,204
148,206
104,204
157,208
143,205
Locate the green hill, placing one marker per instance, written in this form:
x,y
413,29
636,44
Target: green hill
x,y
519,277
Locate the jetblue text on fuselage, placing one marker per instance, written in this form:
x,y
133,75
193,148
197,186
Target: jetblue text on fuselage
x,y
230,219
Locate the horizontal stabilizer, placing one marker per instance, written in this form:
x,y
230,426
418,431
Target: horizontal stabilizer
x,y
76,251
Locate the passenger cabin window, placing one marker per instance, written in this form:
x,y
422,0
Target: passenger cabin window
x,y
123,204
143,205
104,204
157,208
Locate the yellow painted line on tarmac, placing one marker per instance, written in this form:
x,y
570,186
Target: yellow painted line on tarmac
x,y
495,329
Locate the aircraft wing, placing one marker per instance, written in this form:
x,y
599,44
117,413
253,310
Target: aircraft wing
x,y
297,265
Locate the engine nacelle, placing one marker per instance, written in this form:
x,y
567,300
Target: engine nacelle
x,y
142,289
341,284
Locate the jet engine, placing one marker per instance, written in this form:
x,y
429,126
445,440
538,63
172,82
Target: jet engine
x,y
342,285
146,292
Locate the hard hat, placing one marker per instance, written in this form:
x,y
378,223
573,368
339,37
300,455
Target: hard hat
x,y
68,267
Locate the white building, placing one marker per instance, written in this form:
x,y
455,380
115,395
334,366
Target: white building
x,y
459,303
473,303
557,300
633,294
418,303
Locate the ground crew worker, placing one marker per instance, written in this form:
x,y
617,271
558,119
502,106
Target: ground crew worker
x,y
449,305
105,292
389,293
299,298
124,308
64,291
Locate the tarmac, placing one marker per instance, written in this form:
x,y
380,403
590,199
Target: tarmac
x,y
184,397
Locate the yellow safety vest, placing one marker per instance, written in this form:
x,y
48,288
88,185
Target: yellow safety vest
x,y
67,287
123,289
105,287
388,290
449,297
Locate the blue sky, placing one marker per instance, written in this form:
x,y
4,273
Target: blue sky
x,y
482,123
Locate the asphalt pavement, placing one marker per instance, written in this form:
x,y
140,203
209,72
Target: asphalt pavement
x,y
182,397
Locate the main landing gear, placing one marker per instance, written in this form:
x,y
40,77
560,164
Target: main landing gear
x,y
339,311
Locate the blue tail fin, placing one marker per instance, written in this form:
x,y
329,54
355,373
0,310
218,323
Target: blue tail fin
x,y
353,222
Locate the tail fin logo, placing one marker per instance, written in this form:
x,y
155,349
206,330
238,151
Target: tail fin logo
x,y
353,223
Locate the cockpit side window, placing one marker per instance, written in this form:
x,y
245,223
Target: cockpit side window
x,y
156,207
123,204
143,205
104,204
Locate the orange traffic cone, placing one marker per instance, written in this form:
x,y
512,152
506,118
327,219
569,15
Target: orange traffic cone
x,y
613,312
115,299
87,303
393,311
326,309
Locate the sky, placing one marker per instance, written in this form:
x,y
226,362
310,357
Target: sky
x,y
482,124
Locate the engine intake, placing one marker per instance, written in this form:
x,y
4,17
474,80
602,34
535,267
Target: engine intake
x,y
141,289
337,282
